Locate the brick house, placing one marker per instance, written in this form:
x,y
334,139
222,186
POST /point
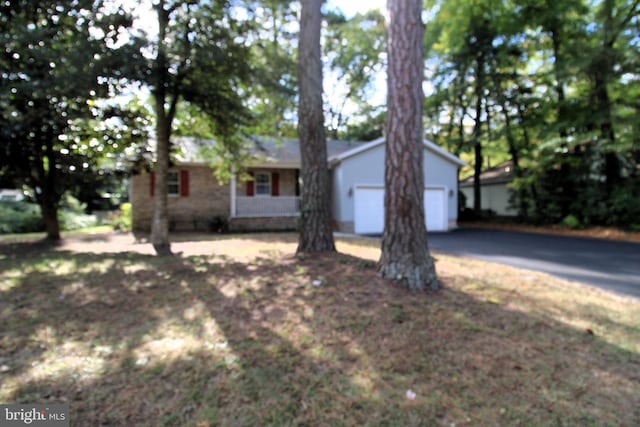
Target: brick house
x,y
270,198
198,201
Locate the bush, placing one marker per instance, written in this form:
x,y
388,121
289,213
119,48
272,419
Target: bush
x,y
121,219
20,217
72,215
219,224
70,220
571,222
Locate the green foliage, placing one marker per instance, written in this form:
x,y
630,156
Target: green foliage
x,y
570,221
354,49
26,217
553,87
274,80
20,217
70,220
73,215
624,205
60,58
121,219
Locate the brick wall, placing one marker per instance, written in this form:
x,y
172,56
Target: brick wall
x,y
264,224
207,199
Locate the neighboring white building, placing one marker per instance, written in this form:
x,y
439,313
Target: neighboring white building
x,y
495,193
358,188
11,195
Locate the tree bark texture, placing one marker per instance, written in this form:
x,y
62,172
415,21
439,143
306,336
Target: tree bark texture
x,y
405,253
50,197
477,133
316,234
49,211
160,223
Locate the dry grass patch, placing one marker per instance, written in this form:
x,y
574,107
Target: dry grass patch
x,y
234,332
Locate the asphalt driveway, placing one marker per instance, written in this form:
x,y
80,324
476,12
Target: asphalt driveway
x,y
608,264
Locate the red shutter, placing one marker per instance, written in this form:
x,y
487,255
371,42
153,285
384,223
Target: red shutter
x,y
152,183
250,185
275,184
184,183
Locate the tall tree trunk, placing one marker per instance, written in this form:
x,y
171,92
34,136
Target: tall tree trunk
x,y
559,75
316,234
160,223
612,164
49,211
521,193
49,197
405,253
477,171
603,70
477,130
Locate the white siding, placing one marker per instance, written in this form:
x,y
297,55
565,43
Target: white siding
x,y
494,197
440,172
367,168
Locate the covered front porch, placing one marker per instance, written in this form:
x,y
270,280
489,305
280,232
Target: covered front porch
x,y
266,206
270,193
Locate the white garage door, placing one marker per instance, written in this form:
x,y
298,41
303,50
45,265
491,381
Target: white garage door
x,y
435,207
369,209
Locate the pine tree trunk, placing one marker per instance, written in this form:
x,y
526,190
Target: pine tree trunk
x,y
160,223
316,233
405,253
477,133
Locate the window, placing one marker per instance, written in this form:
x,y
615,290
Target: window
x,y
263,184
177,183
173,184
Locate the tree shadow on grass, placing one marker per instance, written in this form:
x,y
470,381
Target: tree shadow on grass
x,y
141,340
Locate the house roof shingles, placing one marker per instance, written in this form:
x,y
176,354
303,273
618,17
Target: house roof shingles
x,y
270,150
499,174
283,152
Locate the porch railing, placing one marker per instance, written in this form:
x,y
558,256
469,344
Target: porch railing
x,y
267,206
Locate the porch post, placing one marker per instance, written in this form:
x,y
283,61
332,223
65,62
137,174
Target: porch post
x,y
232,190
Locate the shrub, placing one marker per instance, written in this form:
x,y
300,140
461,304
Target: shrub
x,y
20,217
72,215
121,219
219,224
70,220
571,222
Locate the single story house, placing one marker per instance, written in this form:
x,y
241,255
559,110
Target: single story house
x,y
270,199
495,194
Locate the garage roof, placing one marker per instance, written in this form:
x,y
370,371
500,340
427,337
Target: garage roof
x,y
435,149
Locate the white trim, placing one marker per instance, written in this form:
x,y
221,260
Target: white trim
x,y
232,190
255,183
266,207
333,160
273,165
178,175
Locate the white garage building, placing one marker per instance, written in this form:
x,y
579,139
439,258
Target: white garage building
x,y
358,188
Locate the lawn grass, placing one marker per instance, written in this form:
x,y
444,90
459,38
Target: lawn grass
x,y
31,237
233,332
